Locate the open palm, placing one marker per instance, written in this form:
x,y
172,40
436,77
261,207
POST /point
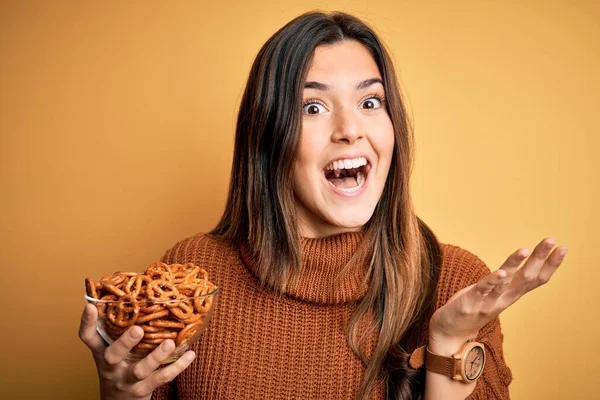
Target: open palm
x,y
474,306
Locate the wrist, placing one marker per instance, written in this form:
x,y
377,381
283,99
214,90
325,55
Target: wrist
x,y
447,346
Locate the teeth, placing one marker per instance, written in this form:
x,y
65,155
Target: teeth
x,y
347,164
360,180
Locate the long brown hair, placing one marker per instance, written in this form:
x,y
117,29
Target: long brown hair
x,y
260,212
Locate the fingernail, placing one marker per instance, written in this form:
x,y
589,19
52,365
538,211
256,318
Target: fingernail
x,y
167,345
136,333
190,356
563,252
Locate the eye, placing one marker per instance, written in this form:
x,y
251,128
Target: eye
x,y
311,107
374,98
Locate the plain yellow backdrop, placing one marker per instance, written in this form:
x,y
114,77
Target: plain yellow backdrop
x,y
117,123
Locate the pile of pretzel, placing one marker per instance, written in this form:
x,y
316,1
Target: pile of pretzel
x,y
157,300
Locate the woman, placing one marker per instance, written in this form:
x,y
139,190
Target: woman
x,y
330,285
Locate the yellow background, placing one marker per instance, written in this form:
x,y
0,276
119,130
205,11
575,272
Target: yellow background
x,y
117,125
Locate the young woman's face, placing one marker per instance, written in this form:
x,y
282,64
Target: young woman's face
x,y
346,142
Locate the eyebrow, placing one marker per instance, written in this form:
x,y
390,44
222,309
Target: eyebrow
x,y
361,85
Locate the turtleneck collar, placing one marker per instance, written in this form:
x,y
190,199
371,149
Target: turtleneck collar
x,y
322,278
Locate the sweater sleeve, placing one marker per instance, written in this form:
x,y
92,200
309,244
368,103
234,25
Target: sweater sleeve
x,y
462,269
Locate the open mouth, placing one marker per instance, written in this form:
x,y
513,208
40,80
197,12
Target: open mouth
x,y
348,175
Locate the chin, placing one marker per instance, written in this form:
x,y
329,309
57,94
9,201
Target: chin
x,y
350,220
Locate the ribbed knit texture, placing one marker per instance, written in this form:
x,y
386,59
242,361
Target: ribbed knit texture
x,y
264,345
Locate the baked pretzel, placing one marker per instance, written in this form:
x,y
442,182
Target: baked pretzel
x,y
160,335
144,347
183,309
166,301
90,288
162,290
150,317
135,284
102,306
166,324
159,270
149,328
125,313
187,333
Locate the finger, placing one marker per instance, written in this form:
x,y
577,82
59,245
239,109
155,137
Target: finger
x,y
532,267
87,330
163,375
152,361
487,284
552,264
117,351
511,265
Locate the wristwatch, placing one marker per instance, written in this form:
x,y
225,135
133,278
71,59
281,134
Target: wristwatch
x,y
465,366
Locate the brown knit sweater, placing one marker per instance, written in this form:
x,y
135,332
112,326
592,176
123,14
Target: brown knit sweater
x,y
263,345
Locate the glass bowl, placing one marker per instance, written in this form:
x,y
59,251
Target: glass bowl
x,y
182,320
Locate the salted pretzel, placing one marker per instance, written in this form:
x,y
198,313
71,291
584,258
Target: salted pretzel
x,y
160,270
162,290
187,333
102,306
135,284
126,311
168,301
166,324
90,288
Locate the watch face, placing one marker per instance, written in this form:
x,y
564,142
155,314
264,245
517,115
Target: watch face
x,y
474,363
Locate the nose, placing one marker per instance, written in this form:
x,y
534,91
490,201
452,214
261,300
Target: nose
x,y
347,127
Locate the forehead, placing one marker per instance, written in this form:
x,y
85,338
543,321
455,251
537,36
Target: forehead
x,y
348,60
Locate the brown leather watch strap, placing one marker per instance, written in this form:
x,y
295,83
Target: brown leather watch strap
x,y
454,366
441,365
417,358
422,356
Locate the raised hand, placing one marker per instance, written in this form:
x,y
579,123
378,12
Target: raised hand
x,y
471,308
